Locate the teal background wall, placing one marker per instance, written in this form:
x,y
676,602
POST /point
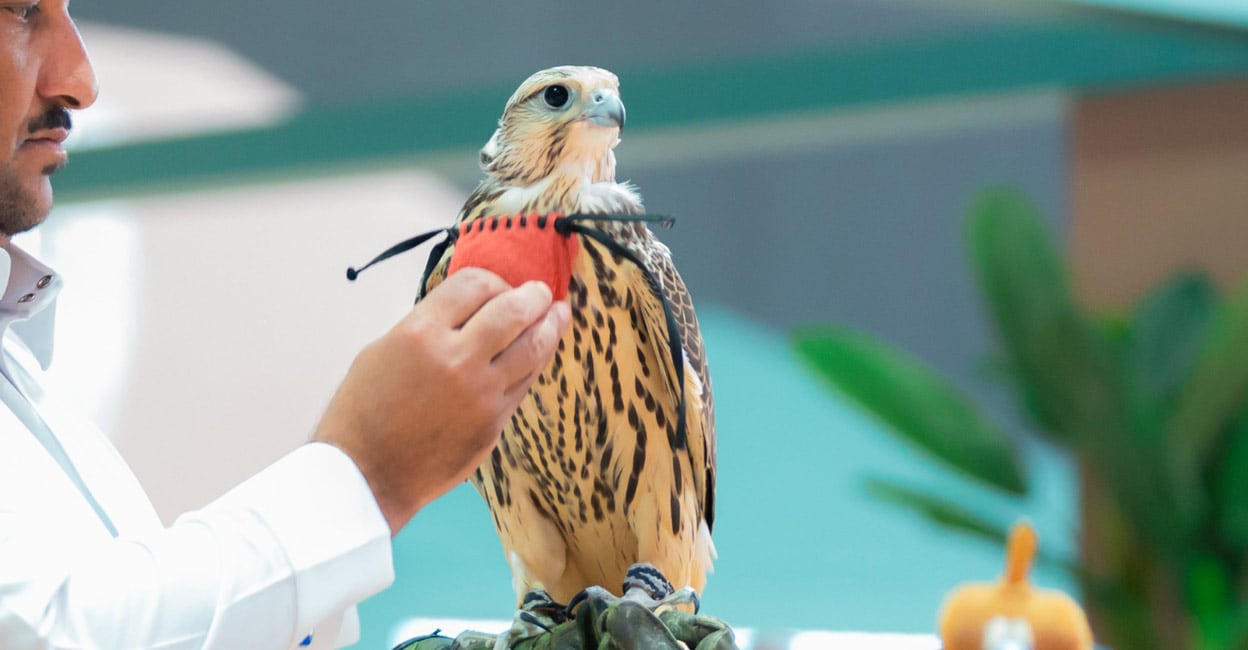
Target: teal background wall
x,y
1231,12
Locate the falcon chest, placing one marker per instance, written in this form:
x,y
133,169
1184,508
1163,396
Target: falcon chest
x,y
591,442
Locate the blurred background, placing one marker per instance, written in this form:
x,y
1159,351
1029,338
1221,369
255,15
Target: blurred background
x,y
820,156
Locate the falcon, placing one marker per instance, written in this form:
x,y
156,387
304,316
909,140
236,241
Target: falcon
x,y
597,476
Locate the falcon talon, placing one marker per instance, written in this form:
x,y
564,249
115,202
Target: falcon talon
x,y
683,597
645,576
588,593
532,620
524,626
537,598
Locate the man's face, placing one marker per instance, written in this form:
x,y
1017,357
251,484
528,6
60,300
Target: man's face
x,y
43,71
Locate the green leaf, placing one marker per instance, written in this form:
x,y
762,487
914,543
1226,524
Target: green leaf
x,y
1239,627
1215,394
953,517
914,401
945,513
1169,328
1066,374
1232,488
1115,331
1124,618
1211,597
1070,376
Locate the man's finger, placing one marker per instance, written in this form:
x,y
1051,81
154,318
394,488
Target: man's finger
x,y
463,294
501,320
532,350
516,392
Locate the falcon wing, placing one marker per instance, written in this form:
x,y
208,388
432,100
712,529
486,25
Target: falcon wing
x,y
700,420
479,203
435,270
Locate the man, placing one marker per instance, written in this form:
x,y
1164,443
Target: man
x,y
282,559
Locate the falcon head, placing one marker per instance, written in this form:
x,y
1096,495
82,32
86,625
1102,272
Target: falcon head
x,y
563,120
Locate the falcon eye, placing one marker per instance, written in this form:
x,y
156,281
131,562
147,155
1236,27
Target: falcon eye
x,y
556,96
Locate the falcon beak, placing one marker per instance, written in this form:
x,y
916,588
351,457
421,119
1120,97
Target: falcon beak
x,y
605,109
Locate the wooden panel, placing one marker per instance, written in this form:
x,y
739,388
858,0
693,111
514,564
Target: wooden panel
x,y
1159,183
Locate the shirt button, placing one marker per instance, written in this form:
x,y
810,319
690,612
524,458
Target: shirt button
x,y
44,281
27,298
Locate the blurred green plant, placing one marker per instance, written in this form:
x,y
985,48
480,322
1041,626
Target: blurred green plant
x,y
1153,405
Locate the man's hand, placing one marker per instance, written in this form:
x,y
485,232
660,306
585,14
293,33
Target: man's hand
x,y
422,406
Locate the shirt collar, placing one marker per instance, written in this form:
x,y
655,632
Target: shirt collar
x,y
27,305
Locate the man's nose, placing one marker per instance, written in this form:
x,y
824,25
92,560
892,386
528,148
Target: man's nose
x,y
67,77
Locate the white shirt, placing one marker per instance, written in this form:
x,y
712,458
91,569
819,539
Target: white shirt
x,y
86,563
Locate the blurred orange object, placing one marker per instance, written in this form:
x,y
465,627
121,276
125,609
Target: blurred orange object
x,y
1013,615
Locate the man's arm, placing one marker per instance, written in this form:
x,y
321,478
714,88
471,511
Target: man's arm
x,y
308,536
260,567
422,406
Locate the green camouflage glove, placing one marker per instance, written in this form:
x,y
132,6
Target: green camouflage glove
x,y
602,624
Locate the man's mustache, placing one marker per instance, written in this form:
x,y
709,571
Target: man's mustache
x,y
54,118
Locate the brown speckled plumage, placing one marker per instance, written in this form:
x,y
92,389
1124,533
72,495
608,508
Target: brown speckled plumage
x,y
590,475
